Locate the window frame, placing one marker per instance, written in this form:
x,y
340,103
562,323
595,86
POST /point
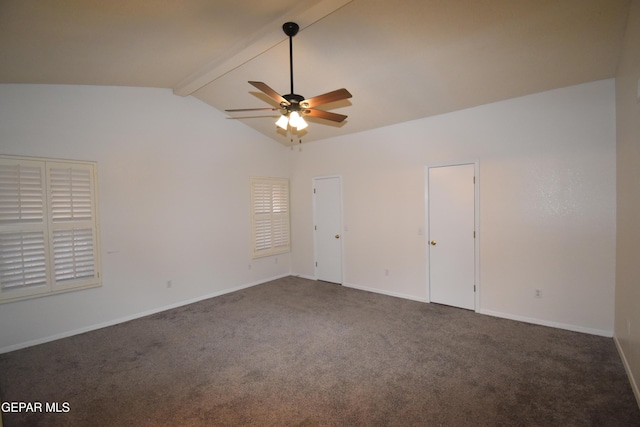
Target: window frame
x,y
270,225
71,238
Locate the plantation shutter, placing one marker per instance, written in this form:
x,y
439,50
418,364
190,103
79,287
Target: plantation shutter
x,y
48,227
23,229
73,224
270,216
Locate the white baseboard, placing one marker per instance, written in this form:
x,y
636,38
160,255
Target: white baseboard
x,y
383,292
113,322
569,327
627,368
304,276
549,323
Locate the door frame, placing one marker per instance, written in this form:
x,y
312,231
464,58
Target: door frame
x,y
476,214
315,240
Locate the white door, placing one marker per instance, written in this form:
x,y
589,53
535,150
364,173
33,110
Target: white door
x,y
327,202
451,243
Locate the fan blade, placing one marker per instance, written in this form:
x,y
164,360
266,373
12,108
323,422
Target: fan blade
x,y
250,117
250,109
336,95
270,92
334,117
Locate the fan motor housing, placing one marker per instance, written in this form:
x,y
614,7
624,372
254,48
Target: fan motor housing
x,y
295,100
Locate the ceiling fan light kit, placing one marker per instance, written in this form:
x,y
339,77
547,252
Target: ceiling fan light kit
x,y
293,106
283,122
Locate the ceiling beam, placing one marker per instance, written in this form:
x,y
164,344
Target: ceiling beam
x,y
259,42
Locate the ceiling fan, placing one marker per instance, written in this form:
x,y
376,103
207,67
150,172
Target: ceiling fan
x,y
293,106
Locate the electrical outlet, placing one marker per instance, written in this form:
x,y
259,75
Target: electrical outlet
x,y
538,293
169,284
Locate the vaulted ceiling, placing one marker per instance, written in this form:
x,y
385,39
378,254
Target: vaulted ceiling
x,y
401,60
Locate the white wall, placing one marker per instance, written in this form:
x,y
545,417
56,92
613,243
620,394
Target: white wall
x,y
547,203
627,329
173,194
173,176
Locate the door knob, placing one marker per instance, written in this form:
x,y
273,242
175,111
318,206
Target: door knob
x,y
337,236
433,243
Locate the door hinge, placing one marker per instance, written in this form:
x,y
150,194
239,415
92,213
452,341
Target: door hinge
x,y
314,191
315,227
316,263
474,288
474,234
474,179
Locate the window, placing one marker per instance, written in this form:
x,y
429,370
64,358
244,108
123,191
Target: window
x,y
48,227
270,216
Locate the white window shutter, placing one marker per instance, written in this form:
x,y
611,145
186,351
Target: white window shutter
x,y
22,196
72,215
270,228
48,227
73,255
280,215
23,262
23,229
71,193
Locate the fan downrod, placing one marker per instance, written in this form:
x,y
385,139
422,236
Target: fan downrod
x,y
290,29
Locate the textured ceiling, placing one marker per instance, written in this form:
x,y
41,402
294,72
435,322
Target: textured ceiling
x,y
401,60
